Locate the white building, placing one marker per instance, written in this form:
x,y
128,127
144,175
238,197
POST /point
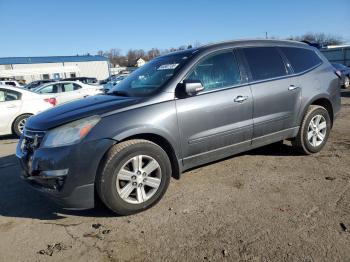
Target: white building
x,y
54,67
140,62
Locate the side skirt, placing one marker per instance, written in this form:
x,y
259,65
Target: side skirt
x,y
220,153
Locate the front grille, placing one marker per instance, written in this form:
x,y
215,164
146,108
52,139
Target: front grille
x,y
32,139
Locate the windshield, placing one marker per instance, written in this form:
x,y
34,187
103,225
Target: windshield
x,y
151,77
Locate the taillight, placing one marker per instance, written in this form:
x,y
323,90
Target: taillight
x,y
51,100
338,73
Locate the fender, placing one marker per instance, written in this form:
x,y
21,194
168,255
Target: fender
x,y
141,130
305,105
145,131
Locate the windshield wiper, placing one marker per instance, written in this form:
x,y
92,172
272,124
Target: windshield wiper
x,y
118,93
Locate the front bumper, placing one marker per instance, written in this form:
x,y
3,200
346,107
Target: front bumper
x,y
65,174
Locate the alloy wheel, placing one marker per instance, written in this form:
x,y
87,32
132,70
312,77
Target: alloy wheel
x,y
139,179
317,129
21,124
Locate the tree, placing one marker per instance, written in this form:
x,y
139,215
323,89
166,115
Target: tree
x,y
319,38
154,52
133,55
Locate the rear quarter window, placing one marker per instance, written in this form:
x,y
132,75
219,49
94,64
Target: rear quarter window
x,y
301,59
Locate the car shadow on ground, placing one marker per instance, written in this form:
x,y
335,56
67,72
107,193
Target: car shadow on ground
x,y
17,199
7,137
345,93
275,149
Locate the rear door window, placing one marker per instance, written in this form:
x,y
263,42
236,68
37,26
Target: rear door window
x,y
301,59
264,62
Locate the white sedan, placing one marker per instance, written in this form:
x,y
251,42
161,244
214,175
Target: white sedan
x,y
66,91
17,105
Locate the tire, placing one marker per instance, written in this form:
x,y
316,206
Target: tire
x,y
119,163
304,142
18,124
347,82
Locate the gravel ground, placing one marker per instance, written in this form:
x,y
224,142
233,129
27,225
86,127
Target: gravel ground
x,y
269,204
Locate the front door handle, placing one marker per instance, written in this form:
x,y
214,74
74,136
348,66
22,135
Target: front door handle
x,y
292,87
240,99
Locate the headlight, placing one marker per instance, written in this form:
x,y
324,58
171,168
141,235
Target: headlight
x,y
70,133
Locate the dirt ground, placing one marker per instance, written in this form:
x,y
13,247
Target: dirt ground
x,y
269,204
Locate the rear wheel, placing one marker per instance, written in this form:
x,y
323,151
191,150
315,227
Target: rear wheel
x,y
314,130
134,176
19,123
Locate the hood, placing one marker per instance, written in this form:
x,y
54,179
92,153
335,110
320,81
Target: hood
x,y
94,105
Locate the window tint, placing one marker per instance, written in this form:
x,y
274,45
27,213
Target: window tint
x,y
217,71
264,62
301,59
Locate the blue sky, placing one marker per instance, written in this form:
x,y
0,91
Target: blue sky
x,y
68,27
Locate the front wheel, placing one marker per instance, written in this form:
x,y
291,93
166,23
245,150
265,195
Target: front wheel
x,y
314,130
134,176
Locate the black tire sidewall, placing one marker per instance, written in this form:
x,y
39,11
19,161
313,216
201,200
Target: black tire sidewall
x,y
307,145
110,195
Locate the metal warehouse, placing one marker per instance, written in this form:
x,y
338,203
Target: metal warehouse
x,y
54,67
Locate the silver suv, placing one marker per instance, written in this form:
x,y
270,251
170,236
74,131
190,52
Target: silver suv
x,y
176,112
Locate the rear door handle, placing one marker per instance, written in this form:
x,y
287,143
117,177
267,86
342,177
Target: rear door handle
x,y
240,99
293,87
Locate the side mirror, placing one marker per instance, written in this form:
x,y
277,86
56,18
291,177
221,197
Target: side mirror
x,y
192,87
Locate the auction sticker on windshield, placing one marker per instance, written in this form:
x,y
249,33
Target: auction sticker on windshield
x,y
167,66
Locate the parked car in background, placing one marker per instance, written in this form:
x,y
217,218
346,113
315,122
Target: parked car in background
x,y
85,80
37,83
113,82
105,81
176,112
345,74
112,78
66,91
17,105
11,83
